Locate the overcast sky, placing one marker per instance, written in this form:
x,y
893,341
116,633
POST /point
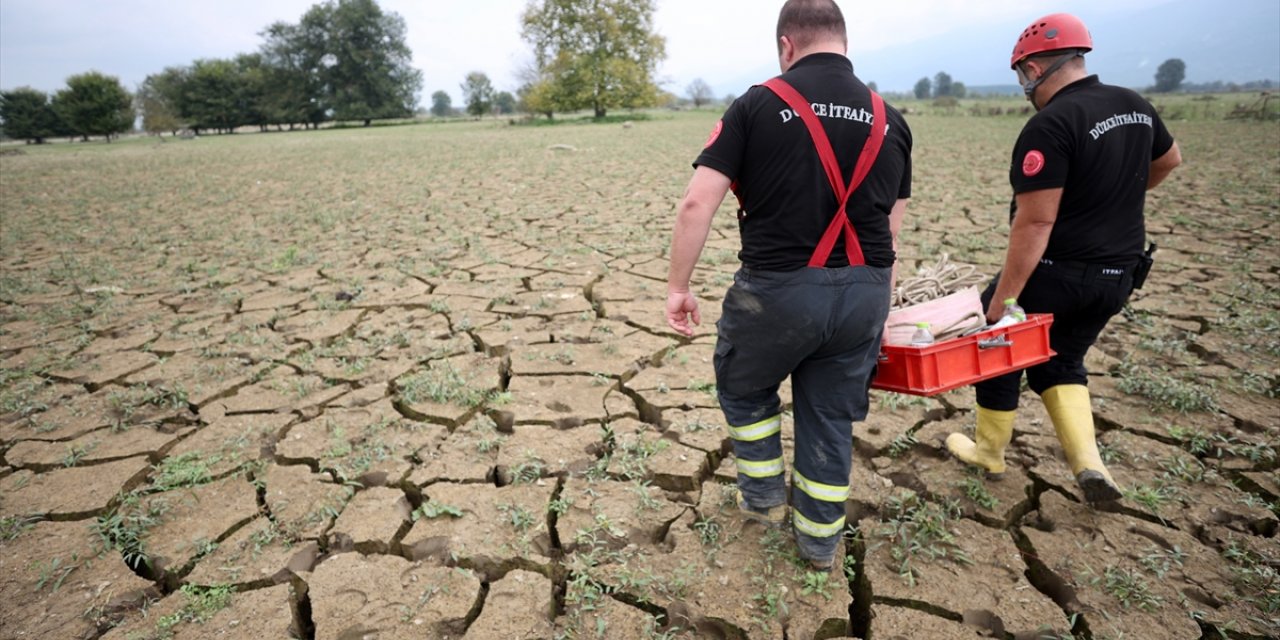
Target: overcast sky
x,y
44,41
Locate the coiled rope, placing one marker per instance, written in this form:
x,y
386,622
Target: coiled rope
x,y
942,279
931,283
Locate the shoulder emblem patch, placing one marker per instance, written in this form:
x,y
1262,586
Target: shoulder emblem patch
x,y
715,134
1032,163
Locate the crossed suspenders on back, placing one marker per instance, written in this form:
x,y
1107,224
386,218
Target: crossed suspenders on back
x,y
875,140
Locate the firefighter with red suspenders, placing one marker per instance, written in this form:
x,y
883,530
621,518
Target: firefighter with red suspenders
x,y
821,168
1080,172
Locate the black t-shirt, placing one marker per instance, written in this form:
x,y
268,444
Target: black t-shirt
x,y
1096,142
787,202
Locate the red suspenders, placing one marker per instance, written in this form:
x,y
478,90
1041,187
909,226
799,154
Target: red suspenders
x,y
852,248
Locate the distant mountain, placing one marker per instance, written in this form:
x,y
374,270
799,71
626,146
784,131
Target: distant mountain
x,y
1228,40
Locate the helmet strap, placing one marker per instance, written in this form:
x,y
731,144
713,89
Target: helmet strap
x,y
1029,87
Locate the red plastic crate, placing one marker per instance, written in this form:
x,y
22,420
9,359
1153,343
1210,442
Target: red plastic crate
x,y
943,366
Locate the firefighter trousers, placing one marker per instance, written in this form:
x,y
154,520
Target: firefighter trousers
x,y
1082,299
822,327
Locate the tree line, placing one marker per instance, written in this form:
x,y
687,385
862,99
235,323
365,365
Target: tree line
x,y
92,104
1168,78
480,98
941,86
345,60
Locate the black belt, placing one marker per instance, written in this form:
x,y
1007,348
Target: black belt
x,y
1084,271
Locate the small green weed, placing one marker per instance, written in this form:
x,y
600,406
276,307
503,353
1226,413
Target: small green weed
x,y
902,444
977,491
893,401
1165,388
1184,468
53,572
702,386
1257,578
77,452
634,454
559,505
185,470
1130,588
13,526
1155,497
517,516
124,527
818,582
528,470
917,530
1159,561
125,404
443,384
432,509
709,532
202,604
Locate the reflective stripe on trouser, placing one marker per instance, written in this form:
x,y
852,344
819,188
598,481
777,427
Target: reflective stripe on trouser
x,y
757,449
822,328
816,529
757,430
818,490
813,493
761,468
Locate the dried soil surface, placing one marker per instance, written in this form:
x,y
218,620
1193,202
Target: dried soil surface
x,y
343,385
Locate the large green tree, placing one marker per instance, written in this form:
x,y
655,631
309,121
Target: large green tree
x,y
942,84
477,92
534,95
293,56
211,96
28,115
365,64
94,104
596,54
441,104
1170,74
159,99
922,88
504,103
253,86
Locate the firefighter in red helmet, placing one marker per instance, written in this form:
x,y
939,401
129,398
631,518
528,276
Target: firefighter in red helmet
x,y
1081,168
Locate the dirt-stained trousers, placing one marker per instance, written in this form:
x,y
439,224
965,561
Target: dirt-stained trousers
x,y
822,327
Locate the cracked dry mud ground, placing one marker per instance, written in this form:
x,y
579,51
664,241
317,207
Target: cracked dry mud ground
x,y
414,382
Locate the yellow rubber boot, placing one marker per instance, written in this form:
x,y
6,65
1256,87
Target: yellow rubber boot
x,y
1072,415
993,432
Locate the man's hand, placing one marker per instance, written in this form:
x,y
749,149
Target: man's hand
x,y
681,308
693,222
995,311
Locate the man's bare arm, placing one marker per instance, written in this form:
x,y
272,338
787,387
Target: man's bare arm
x,y
702,198
1037,212
1164,165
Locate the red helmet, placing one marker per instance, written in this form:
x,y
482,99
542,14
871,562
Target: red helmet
x,y
1051,33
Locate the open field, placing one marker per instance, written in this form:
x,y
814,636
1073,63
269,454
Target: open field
x,y
414,381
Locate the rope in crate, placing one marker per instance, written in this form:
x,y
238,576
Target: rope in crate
x,y
930,283
942,279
